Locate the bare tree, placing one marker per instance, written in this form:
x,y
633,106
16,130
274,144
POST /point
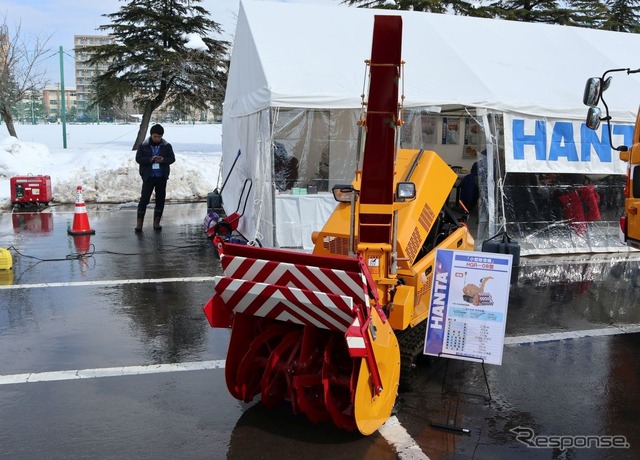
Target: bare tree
x,y
20,69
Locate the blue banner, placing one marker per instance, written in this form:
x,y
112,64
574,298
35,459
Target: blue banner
x,y
563,146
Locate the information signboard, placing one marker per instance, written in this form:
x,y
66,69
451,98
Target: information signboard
x,y
468,309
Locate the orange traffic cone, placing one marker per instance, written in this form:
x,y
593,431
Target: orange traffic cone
x,y
80,219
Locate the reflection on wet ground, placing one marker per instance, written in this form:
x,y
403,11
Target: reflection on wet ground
x,y
556,293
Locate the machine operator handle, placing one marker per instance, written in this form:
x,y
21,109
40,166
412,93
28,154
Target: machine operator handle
x,y
229,173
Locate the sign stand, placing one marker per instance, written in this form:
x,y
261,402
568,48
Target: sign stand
x,y
456,386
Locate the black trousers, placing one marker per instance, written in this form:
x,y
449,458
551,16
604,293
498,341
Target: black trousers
x,y
160,186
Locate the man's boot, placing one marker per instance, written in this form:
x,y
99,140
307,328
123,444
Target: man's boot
x,y
139,223
156,223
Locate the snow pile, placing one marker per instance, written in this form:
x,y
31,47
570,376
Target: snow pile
x,y
107,175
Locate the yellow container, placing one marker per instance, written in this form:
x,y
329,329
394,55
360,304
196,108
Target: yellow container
x,y
6,277
6,262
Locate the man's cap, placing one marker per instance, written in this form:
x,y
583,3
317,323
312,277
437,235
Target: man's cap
x,y
156,129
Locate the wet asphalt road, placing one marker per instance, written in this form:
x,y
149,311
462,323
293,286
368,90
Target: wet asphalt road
x,y
137,300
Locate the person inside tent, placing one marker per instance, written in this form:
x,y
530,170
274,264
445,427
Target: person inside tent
x,y
285,167
469,191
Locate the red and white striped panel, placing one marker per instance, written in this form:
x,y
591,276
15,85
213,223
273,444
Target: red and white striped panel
x,y
356,340
340,282
283,303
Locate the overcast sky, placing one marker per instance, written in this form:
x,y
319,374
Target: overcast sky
x,y
62,19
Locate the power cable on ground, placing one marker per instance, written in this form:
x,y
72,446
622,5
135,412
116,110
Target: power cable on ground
x,y
92,252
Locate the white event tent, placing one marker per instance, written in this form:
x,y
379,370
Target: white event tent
x,y
512,89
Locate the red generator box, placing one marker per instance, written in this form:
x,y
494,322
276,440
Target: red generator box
x,y
30,190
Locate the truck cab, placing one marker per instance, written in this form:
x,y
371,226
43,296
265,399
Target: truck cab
x,y
629,230
630,221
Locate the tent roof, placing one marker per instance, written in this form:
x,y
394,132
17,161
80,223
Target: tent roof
x,y
296,55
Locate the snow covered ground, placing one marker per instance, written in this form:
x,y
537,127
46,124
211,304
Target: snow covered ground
x,y
99,158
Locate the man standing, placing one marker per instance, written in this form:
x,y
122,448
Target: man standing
x,y
154,156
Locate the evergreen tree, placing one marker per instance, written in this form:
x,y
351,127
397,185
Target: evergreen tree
x,y
431,6
624,16
591,14
547,11
152,59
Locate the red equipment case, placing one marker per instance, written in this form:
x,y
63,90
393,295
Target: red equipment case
x,y
30,190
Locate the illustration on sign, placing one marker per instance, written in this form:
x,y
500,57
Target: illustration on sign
x,y
469,300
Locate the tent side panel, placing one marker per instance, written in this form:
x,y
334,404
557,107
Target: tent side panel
x,y
251,135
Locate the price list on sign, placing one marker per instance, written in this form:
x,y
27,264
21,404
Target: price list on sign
x,y
468,308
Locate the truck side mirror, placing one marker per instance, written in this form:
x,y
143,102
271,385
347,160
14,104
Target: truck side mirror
x,y
593,118
592,92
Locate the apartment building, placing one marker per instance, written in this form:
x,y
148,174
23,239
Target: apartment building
x,y
52,101
83,70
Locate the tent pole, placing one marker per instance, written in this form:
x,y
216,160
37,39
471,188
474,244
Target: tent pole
x,y
274,217
273,212
490,183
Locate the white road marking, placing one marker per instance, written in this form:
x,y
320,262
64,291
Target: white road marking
x,y
194,279
397,436
109,372
552,336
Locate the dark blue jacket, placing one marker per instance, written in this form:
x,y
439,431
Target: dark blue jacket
x,y
469,192
144,155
